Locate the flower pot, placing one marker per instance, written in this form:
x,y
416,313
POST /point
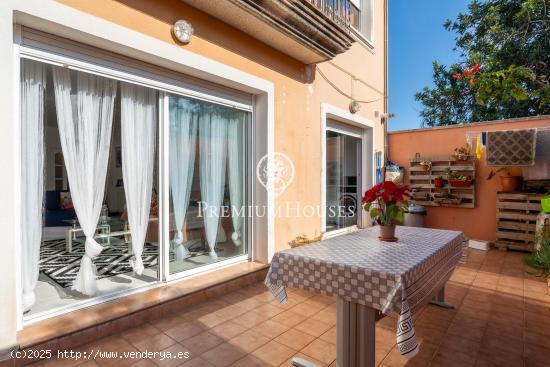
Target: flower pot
x,y
387,233
510,183
460,183
438,182
545,203
425,167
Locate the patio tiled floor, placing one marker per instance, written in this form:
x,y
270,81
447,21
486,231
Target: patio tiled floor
x,y
502,318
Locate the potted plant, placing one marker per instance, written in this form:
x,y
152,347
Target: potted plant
x,y
456,179
448,199
386,204
540,261
438,182
426,165
508,181
462,153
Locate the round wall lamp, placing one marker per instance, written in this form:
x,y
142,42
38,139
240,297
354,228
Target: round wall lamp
x,y
182,31
354,106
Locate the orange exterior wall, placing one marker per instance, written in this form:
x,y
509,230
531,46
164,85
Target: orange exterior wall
x,y
297,101
479,222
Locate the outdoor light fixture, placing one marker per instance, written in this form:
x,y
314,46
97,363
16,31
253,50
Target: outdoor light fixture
x,y
182,31
354,106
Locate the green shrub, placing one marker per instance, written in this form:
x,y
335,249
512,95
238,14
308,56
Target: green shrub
x,y
540,259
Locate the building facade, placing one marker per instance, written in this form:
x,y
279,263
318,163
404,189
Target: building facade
x,y
298,86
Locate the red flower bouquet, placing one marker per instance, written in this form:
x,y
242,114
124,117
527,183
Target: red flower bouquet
x,y
386,203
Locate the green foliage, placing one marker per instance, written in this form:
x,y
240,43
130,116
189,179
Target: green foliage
x,y
511,41
540,260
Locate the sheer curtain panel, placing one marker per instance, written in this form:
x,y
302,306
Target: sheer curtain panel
x,y
183,135
33,83
213,154
85,117
138,134
235,173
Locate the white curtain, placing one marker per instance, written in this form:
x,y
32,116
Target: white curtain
x,y
235,173
138,135
85,121
213,153
183,135
33,83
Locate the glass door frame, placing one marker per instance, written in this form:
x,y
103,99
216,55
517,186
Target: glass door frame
x,y
356,133
164,184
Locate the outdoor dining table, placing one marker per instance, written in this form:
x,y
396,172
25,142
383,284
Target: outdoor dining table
x,y
371,278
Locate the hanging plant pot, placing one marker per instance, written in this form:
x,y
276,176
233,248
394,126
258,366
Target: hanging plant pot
x,y
510,183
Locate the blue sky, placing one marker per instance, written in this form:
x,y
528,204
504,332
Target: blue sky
x,y
416,38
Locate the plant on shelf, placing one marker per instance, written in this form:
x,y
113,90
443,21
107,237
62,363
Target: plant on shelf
x,y
439,182
540,260
448,199
426,165
456,179
508,181
462,153
386,204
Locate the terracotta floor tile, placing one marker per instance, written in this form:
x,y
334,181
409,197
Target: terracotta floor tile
x,y
139,333
289,318
273,353
269,310
321,350
196,362
248,341
185,331
535,355
423,358
249,361
313,327
143,363
154,343
295,339
270,329
306,309
330,335
250,319
327,315
473,331
112,344
202,342
168,323
223,355
228,330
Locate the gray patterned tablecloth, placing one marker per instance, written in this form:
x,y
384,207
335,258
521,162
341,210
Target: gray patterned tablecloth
x,y
390,277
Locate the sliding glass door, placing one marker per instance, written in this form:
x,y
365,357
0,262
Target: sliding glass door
x,y
343,177
207,166
138,185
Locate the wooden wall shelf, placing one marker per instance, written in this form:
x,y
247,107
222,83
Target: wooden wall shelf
x,y
422,181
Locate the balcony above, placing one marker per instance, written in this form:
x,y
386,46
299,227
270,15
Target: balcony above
x,y
310,31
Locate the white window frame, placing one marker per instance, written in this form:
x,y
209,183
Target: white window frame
x,y
58,19
366,128
366,9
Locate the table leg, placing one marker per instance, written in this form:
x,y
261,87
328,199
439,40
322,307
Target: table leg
x,y
69,241
355,334
439,300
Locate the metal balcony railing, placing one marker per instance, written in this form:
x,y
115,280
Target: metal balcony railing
x,y
337,10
